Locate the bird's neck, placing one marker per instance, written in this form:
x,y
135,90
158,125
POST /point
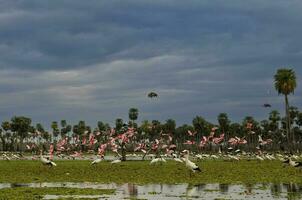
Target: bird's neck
x,y
187,158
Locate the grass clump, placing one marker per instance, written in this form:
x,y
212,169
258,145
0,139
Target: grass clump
x,y
38,193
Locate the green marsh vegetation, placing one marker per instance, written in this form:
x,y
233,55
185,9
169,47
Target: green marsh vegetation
x,y
141,172
38,193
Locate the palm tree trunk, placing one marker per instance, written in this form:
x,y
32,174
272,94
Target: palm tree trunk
x,y
287,120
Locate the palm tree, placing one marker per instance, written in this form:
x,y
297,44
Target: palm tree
x,y
224,124
199,124
170,126
274,117
6,127
55,129
21,126
293,113
285,83
299,121
118,124
133,114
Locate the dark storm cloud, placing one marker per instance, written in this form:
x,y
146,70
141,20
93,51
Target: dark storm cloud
x,y
94,60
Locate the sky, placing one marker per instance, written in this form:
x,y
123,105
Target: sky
x,y
93,60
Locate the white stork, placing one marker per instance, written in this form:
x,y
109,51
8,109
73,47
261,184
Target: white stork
x,y
175,158
46,161
6,157
189,164
157,160
295,163
98,160
116,161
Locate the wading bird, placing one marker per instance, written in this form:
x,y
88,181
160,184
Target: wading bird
x,y
295,163
189,164
157,160
98,160
116,161
46,161
175,158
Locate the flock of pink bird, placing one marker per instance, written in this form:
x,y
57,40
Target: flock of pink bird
x,y
164,144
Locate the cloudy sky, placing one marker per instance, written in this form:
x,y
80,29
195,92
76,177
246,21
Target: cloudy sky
x,y
93,60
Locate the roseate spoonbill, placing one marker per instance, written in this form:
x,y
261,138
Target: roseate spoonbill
x,y
46,161
189,164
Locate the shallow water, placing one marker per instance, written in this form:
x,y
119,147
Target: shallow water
x,y
180,191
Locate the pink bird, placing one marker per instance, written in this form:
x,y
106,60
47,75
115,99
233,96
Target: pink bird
x,y
101,149
203,141
189,142
191,133
84,141
51,150
219,139
76,155
170,138
154,147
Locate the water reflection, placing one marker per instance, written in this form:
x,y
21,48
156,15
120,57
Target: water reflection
x,y
223,188
180,191
132,190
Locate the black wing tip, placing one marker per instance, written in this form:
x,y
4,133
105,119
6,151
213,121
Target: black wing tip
x,y
197,169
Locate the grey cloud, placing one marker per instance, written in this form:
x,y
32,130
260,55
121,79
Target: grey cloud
x,y
94,60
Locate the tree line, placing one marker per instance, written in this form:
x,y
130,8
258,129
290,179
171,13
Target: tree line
x,y
285,131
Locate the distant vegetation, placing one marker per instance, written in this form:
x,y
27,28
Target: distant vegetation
x,y
274,133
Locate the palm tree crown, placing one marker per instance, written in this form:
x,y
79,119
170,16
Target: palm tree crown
x,y
285,81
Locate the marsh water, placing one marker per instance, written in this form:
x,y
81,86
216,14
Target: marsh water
x,y
178,191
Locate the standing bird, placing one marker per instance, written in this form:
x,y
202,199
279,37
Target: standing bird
x,y
189,164
295,163
116,161
98,160
175,158
157,160
46,161
6,157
